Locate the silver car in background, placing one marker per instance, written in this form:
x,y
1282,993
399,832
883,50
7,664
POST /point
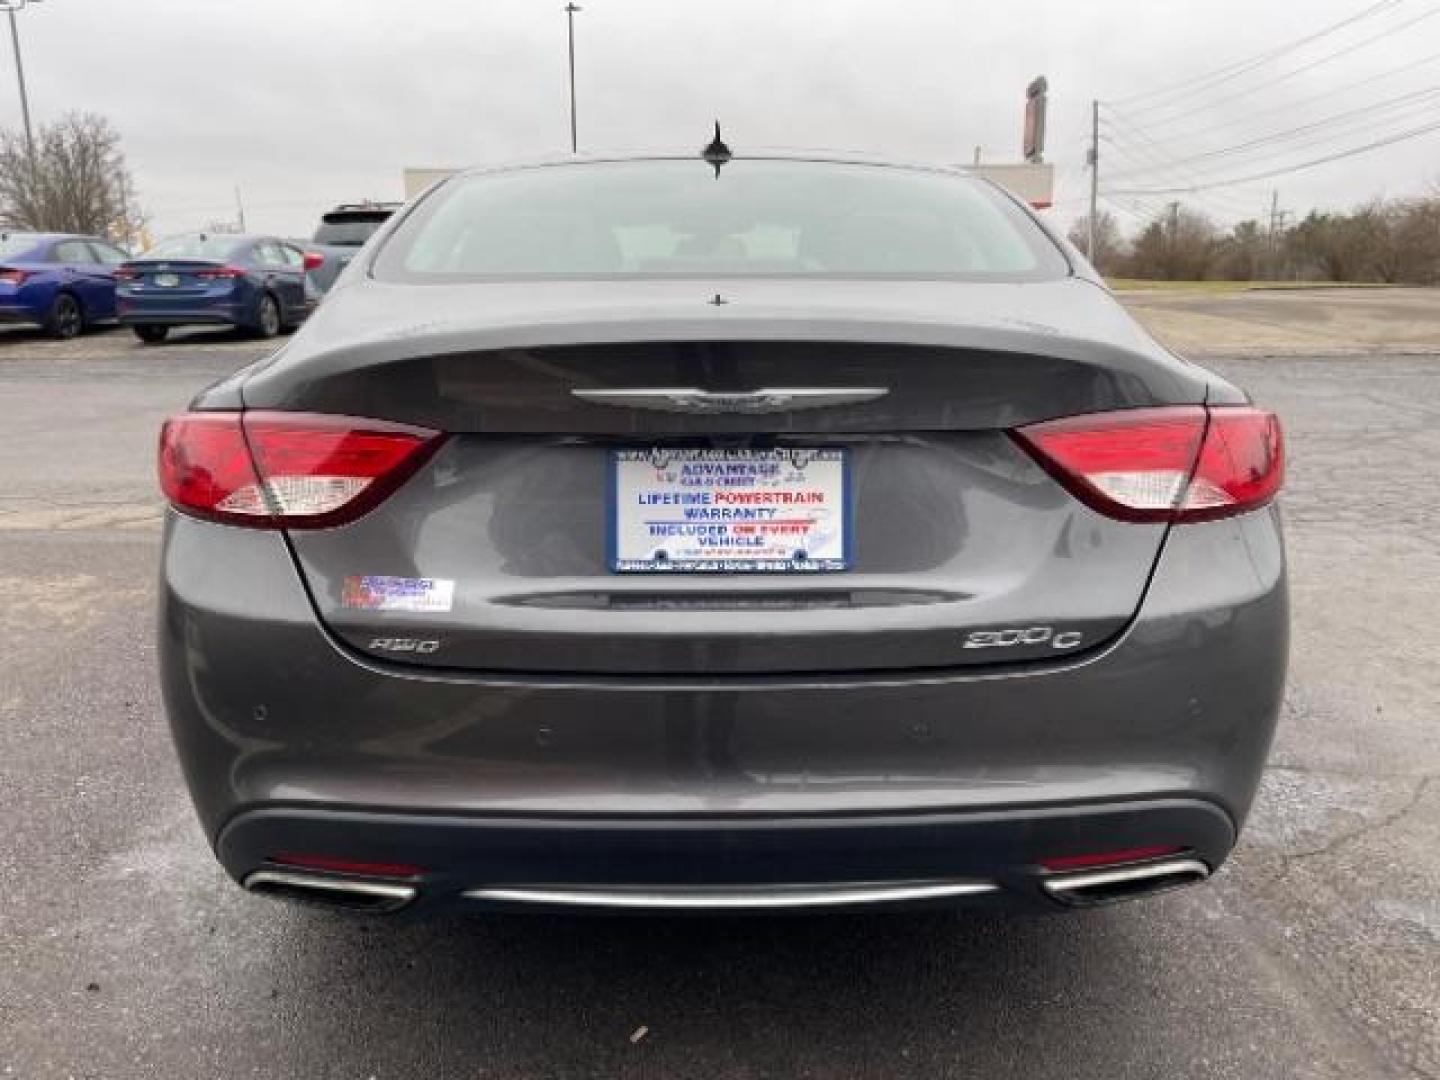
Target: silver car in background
x,y
757,533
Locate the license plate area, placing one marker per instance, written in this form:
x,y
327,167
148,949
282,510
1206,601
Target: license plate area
x,y
167,281
782,510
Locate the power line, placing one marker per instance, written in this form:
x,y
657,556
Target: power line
x,y
1388,74
1347,130
1225,205
1346,119
1159,152
1414,133
1284,75
1240,67
1217,204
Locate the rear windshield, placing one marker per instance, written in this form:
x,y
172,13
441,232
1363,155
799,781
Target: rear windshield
x,y
350,229
10,246
195,247
758,217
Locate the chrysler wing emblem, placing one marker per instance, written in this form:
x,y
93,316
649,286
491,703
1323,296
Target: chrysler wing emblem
x,y
748,402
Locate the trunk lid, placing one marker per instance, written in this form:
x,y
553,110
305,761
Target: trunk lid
x,y
172,277
962,551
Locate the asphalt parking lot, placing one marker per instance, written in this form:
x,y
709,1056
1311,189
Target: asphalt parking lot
x,y
124,952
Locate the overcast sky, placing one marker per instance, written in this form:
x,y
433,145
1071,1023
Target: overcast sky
x,y
305,103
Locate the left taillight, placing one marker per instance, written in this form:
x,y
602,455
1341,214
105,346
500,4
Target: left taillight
x,y
12,276
286,470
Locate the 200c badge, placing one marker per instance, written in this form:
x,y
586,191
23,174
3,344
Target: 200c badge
x,y
1034,635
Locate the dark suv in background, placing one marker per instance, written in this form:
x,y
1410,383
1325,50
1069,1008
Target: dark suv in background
x,y
341,233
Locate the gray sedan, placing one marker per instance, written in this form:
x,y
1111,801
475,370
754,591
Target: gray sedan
x,y
738,534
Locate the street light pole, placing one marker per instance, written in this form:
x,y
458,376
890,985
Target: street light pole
x,y
10,9
570,10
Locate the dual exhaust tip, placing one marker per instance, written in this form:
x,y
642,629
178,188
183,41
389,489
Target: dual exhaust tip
x,y
375,897
1095,887
1083,889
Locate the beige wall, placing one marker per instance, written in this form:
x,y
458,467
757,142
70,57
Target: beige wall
x,y
1033,183
417,180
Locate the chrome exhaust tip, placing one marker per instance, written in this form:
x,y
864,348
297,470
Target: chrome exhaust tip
x,y
376,897
1095,887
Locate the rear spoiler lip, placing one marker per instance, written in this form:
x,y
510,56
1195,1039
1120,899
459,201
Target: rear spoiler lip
x,y
413,341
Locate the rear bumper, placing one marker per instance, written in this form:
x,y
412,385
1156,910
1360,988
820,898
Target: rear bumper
x,y
134,313
292,743
17,315
680,864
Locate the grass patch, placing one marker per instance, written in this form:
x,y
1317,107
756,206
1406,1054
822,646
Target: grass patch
x,y
1139,284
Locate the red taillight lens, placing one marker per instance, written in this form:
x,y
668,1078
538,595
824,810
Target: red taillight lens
x,y
122,274
290,470
220,272
1241,466
314,260
1110,858
346,866
1181,463
11,276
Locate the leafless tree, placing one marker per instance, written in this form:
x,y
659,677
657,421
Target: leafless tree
x,y
1109,242
1412,233
76,182
1336,246
1243,254
1178,245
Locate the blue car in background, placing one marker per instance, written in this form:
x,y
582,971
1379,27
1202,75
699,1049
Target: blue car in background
x,y
255,283
60,281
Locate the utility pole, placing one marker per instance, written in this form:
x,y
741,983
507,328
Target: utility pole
x,y
570,10
10,8
1094,179
1277,232
1274,240
240,207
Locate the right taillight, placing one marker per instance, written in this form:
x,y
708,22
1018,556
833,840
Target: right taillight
x,y
12,276
286,470
1179,463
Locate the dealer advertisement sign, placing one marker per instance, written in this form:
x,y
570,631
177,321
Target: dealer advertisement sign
x,y
726,510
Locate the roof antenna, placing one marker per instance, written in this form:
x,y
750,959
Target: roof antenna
x,y
717,153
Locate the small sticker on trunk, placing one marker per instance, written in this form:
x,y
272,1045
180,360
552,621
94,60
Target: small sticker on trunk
x,y
377,593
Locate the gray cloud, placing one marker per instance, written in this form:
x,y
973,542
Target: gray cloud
x,y
307,102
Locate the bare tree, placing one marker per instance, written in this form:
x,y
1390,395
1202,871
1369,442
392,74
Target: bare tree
x,y
1412,234
1337,246
1178,245
1242,254
76,182
1109,243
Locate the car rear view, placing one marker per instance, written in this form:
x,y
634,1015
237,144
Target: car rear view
x,y
633,536
342,232
253,283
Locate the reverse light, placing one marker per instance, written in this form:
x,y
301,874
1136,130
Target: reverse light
x,y
286,470
1110,858
1180,463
